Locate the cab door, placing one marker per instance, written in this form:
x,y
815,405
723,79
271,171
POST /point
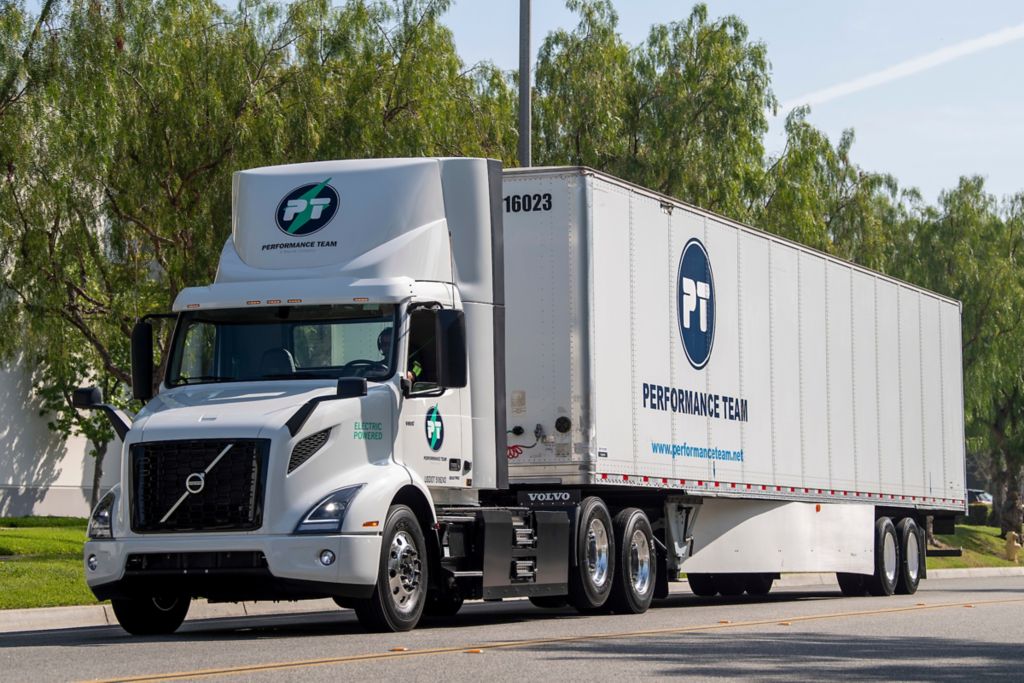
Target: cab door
x,y
432,421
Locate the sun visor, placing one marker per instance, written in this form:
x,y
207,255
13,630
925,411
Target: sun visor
x,y
362,218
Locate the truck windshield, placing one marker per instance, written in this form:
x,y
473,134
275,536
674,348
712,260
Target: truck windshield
x,y
283,342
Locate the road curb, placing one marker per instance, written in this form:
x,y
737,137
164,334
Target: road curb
x,y
55,618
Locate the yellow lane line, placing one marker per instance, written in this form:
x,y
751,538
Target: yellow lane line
x,y
277,666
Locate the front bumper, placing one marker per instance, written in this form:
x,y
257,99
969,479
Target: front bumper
x,y
291,570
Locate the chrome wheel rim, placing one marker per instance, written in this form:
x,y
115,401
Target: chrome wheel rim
x,y
640,562
889,557
913,557
404,571
597,553
164,603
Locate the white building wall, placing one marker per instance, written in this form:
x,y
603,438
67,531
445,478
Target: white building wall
x,y
39,473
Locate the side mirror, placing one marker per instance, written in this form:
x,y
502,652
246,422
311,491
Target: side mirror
x,y
351,387
87,397
142,361
451,348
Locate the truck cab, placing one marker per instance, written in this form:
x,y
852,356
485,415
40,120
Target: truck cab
x,y
316,403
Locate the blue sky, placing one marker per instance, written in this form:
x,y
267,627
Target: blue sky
x,y
953,105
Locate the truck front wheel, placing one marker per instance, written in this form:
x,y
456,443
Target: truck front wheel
x,y
151,616
400,594
591,581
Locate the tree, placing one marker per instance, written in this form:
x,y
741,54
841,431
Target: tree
x,y
969,247
122,122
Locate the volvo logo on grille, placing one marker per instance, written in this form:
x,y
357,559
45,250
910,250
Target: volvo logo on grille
x,y
195,483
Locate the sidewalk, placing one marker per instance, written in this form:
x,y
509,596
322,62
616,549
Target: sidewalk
x,y
46,618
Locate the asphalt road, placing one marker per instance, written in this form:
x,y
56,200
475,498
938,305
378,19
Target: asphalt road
x,y
951,630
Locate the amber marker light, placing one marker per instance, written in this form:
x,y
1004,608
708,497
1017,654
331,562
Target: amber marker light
x,y
360,299
295,301
371,525
192,306
254,302
273,301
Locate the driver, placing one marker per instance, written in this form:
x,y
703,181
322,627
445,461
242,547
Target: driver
x,y
384,347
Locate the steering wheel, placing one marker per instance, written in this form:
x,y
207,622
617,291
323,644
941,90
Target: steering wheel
x,y
361,367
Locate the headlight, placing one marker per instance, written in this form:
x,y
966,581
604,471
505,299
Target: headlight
x,y
101,521
327,516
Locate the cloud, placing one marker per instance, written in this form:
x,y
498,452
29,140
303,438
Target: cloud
x,y
908,68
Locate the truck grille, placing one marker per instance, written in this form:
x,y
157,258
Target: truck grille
x,y
198,485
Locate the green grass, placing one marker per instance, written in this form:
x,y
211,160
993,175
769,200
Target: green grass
x,y
51,582
42,562
44,542
77,522
982,548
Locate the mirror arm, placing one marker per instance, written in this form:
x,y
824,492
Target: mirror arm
x,y
118,419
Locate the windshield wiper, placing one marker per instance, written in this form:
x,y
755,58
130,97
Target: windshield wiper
x,y
206,378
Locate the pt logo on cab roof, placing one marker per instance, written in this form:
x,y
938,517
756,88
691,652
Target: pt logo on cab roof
x,y
307,209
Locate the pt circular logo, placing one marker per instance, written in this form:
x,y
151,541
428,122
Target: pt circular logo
x,y
696,303
434,427
307,209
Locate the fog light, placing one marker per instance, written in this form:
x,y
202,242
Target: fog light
x,y
92,563
326,558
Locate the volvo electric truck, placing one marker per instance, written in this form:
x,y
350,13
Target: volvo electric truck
x,y
415,382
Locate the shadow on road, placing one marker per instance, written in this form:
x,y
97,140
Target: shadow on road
x,y
802,657
343,622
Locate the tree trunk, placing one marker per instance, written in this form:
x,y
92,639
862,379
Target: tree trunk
x,y
1013,513
998,496
99,450
929,531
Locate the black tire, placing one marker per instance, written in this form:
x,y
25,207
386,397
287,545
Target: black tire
x,y
549,601
852,585
151,616
731,585
759,584
345,603
703,585
443,603
887,559
403,558
911,556
636,563
590,582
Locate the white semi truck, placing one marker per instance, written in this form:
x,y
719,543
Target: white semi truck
x,y
419,381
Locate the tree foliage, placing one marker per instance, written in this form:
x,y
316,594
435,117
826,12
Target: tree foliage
x,y
122,120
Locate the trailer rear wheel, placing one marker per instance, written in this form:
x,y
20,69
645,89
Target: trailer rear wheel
x,y
591,582
400,594
151,616
702,585
887,559
911,557
759,584
636,563
852,585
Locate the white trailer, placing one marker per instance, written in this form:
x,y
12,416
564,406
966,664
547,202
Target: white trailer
x,y
415,382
